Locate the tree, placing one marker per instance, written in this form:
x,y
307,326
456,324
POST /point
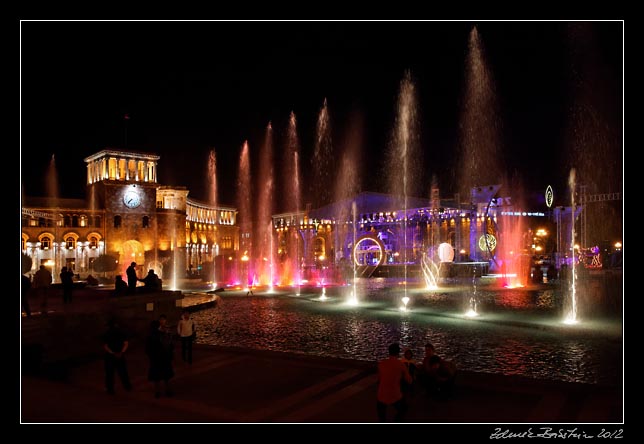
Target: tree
x,y
105,263
27,262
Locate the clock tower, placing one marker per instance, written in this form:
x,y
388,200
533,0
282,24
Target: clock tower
x,y
124,185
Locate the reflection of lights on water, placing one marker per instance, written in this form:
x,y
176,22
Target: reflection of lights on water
x,y
471,313
514,286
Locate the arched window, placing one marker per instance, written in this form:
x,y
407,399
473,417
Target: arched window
x,y
93,242
70,243
117,221
83,221
146,222
45,243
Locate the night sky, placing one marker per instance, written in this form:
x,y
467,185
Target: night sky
x,y
189,87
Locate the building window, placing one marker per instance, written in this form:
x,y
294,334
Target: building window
x,y
70,243
146,222
41,222
93,242
45,243
97,221
117,221
33,222
83,221
227,243
75,220
67,221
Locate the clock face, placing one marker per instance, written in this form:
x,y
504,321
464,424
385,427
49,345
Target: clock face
x,y
132,199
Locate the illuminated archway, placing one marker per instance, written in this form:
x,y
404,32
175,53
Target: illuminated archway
x,y
133,251
368,250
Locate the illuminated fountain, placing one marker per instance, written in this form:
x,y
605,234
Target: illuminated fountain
x,y
430,272
571,317
404,154
291,272
321,160
264,253
511,256
244,216
53,261
473,312
212,176
353,299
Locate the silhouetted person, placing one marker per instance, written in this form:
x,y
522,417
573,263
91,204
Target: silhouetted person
x,y
42,283
425,369
115,344
152,281
66,278
441,377
24,293
408,361
120,287
159,348
391,372
132,279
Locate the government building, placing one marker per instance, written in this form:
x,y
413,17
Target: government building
x,y
129,216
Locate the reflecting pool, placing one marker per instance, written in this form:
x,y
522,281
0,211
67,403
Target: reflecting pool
x,y
518,332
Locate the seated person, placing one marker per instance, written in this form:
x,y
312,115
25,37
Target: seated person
x,y
120,286
152,281
441,376
407,360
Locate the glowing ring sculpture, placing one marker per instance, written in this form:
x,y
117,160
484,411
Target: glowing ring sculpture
x,y
381,250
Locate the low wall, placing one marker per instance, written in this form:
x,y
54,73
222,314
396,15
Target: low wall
x,y
75,333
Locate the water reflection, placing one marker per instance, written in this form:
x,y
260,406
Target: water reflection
x,y
495,343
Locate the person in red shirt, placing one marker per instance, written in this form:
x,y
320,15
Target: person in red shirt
x,y
391,372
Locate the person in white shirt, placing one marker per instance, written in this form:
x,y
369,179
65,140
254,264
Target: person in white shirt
x,y
187,331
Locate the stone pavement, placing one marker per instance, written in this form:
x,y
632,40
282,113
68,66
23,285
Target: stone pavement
x,y
233,385
236,385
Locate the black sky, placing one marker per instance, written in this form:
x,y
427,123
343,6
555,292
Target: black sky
x,y
189,87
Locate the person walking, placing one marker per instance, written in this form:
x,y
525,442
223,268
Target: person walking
x,y
391,372
187,331
115,344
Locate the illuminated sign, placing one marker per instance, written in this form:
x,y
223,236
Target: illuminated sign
x,y
487,242
549,196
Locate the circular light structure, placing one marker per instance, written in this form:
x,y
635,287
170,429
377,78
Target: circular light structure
x,y
549,196
487,242
445,252
368,251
